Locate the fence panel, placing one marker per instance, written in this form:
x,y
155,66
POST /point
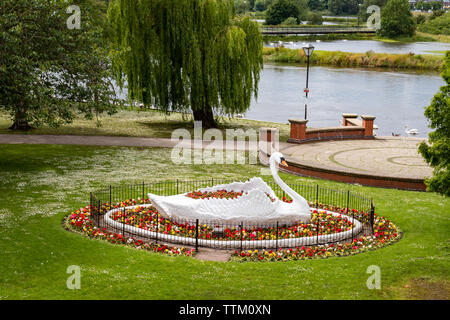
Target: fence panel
x,y
222,235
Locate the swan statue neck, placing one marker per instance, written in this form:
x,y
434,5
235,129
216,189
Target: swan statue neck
x,y
294,195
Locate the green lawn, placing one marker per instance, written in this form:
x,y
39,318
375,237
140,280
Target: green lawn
x,y
137,123
42,184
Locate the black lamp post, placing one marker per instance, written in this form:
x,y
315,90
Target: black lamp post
x,y
359,12
308,49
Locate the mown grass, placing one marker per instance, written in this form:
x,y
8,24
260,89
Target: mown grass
x,y
140,123
361,60
39,185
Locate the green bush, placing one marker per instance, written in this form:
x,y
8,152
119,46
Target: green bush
x,y
279,11
437,150
315,18
397,19
439,25
291,21
260,5
420,19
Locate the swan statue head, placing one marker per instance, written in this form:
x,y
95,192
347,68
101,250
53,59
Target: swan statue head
x,y
277,158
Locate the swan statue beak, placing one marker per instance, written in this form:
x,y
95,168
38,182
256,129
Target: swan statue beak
x,y
284,163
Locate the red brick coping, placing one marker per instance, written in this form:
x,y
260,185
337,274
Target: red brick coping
x,y
351,128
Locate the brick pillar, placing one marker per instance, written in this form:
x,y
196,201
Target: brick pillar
x,y
268,139
346,116
298,129
367,122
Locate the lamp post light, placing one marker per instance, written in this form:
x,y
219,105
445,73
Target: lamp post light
x,y
308,49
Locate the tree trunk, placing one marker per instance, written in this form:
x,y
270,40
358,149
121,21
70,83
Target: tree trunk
x,y
20,122
206,116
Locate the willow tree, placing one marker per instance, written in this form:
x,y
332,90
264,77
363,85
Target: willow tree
x,y
186,55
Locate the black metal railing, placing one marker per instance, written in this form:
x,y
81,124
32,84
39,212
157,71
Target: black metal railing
x,y
114,209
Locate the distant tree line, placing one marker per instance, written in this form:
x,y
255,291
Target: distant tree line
x,y
425,6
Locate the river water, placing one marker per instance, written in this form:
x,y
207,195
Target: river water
x,y
361,46
395,98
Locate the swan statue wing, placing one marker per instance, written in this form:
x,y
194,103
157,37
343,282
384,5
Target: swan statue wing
x,y
255,183
254,205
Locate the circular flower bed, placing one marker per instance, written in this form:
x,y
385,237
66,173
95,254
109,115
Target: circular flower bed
x,y
81,221
385,233
148,218
145,217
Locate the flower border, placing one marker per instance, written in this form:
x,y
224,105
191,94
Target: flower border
x,y
79,222
386,233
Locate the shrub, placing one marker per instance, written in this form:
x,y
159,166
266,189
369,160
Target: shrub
x,y
260,5
397,19
437,151
291,21
315,18
420,19
280,11
439,25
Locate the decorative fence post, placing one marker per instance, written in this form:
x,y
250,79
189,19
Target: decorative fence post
x,y
353,222
177,187
196,236
242,235
98,213
372,215
276,242
348,199
157,227
123,224
317,197
110,196
143,191
317,229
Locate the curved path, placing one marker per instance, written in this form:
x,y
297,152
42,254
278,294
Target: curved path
x,y
384,161
110,141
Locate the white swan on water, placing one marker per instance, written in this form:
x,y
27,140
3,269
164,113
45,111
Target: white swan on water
x,y
254,206
412,131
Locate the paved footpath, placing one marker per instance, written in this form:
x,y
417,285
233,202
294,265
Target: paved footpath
x,y
383,156
112,141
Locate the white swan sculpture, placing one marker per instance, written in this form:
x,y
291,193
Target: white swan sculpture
x,y
253,207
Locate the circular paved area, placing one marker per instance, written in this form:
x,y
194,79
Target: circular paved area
x,y
383,156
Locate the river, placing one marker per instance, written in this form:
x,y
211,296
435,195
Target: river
x,y
361,46
395,98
